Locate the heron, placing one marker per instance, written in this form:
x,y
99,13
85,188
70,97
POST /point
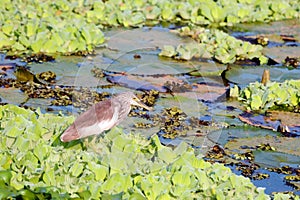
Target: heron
x,y
102,116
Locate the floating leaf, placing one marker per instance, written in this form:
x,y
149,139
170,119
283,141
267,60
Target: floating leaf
x,y
76,169
99,170
258,96
7,28
152,171
5,176
117,183
166,155
168,51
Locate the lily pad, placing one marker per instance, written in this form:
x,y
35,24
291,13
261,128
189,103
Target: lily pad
x,y
243,75
12,96
175,84
148,63
284,27
131,40
276,159
69,72
223,136
279,54
286,145
286,122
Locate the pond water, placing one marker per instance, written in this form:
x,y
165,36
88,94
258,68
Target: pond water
x,y
130,61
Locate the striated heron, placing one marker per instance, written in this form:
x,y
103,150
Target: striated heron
x,y
102,116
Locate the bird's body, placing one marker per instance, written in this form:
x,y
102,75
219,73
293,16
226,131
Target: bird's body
x,y
101,117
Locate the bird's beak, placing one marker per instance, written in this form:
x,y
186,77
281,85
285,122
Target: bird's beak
x,y
139,103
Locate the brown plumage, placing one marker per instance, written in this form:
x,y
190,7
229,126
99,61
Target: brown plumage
x,y
102,116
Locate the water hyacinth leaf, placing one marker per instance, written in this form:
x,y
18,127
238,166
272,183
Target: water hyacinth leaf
x,y
31,29
116,162
166,155
218,14
97,36
206,11
55,170
7,28
5,176
30,161
153,188
293,97
266,96
41,151
137,196
200,163
282,95
86,35
181,178
187,52
117,183
167,13
256,102
120,142
49,47
5,161
95,190
152,12
73,46
99,170
18,47
49,177
76,169
12,131
22,143
181,149
168,51
4,40
156,143
204,182
16,181
57,39
24,41
36,46
134,19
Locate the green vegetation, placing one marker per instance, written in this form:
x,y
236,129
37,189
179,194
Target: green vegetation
x,y
214,44
68,26
35,164
258,96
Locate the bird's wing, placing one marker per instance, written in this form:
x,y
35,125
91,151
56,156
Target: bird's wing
x,y
107,115
98,113
100,117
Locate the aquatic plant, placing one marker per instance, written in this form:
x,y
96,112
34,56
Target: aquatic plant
x,y
213,44
69,26
35,164
285,95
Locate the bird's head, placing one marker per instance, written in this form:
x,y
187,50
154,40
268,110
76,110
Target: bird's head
x,y
134,100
